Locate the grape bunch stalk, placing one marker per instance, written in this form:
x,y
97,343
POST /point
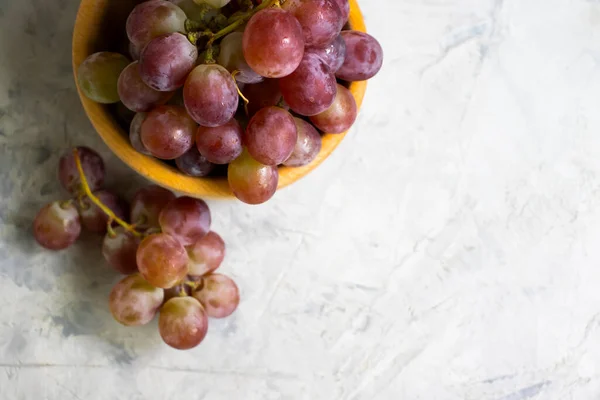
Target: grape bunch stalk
x,y
163,245
191,61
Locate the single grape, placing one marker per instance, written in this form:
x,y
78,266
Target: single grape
x,y
307,147
333,54
261,95
182,323
92,165
186,219
321,20
57,225
193,11
340,116
206,255
364,57
251,181
310,89
98,75
219,295
168,132
271,136
119,248
162,260
194,164
210,95
135,130
152,19
221,144
93,219
231,57
344,6
147,204
134,302
213,3
273,43
166,61
135,94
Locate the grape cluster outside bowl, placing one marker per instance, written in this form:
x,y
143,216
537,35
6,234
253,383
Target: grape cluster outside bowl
x,y
99,26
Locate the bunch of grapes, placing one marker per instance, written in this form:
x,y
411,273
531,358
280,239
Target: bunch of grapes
x,y
190,62
162,243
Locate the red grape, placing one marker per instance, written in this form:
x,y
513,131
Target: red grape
x,y
307,147
166,61
57,226
231,57
262,95
251,181
310,89
344,6
210,95
133,301
340,116
120,250
206,255
147,204
182,323
221,144
271,136
98,75
321,20
162,260
333,54
194,164
154,18
219,295
273,43
93,168
135,130
168,132
364,57
186,219
135,94
93,218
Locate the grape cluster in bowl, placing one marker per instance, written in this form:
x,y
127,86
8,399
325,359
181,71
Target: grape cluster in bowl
x,y
162,243
236,87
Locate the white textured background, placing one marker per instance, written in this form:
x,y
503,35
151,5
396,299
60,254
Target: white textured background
x,y
449,249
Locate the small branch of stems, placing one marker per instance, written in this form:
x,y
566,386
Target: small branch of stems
x,y
241,20
88,192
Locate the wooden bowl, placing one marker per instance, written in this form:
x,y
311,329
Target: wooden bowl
x,y
100,26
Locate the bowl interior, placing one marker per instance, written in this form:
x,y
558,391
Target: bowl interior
x,y
100,26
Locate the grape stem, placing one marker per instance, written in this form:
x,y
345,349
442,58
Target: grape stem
x,y
194,285
239,22
88,192
246,101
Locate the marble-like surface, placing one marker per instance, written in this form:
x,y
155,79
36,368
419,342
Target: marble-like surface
x,y
449,249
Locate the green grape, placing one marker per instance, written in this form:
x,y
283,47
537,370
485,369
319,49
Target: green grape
x,y
98,76
196,12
